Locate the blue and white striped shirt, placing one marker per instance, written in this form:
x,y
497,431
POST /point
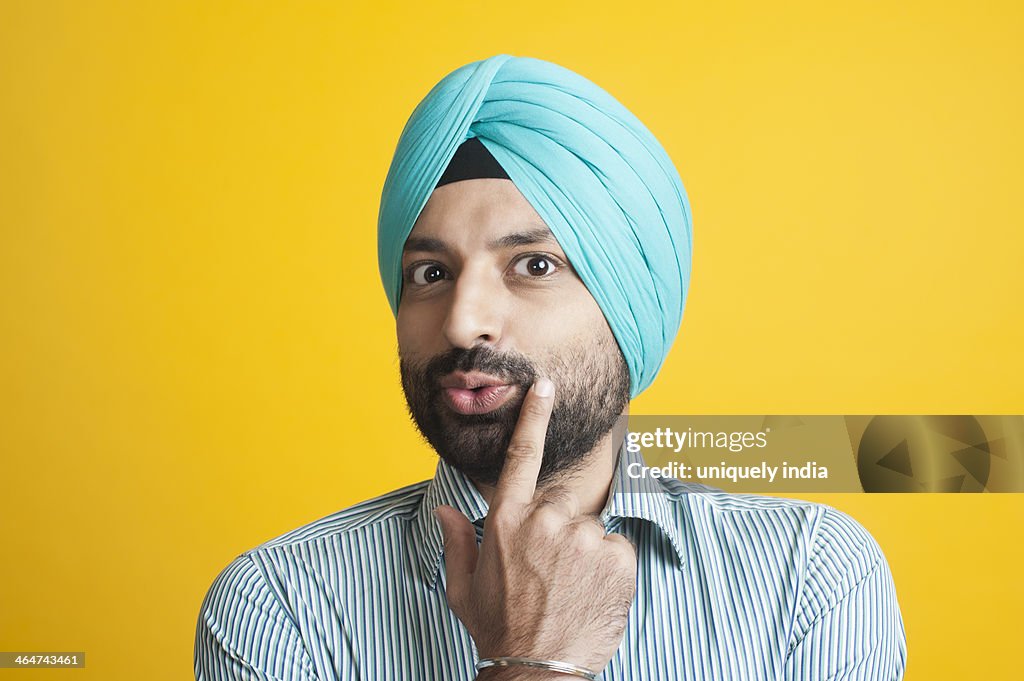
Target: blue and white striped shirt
x,y
729,586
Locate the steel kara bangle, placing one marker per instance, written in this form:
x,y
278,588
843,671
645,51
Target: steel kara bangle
x,y
548,665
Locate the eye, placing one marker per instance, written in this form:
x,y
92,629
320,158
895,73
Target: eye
x,y
535,265
426,273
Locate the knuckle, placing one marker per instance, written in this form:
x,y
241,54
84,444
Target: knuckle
x,y
625,558
622,543
587,534
521,450
618,554
546,520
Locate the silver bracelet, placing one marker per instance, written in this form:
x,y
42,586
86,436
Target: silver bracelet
x,y
549,665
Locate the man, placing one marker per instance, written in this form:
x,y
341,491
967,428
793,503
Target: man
x,y
534,243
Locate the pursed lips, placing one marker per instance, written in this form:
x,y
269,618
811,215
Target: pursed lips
x,y
471,393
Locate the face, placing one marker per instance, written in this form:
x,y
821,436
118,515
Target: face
x,y
489,303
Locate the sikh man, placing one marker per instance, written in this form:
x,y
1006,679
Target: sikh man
x,y
534,242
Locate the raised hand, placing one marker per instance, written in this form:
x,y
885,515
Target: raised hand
x,y
547,582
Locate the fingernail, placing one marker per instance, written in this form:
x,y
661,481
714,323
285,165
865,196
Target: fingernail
x,y
543,387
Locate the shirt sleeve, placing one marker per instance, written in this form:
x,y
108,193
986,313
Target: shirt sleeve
x,y
848,625
244,634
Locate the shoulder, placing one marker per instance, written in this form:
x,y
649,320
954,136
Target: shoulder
x,y
829,573
258,598
746,515
825,544
394,508
844,558
825,527
252,579
242,627
830,557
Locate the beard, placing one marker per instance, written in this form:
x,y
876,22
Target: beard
x,y
591,391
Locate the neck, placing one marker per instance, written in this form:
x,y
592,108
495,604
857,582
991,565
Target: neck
x,y
590,482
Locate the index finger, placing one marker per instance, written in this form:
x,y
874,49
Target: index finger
x,y
518,480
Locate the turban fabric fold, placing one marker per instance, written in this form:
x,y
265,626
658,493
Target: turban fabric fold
x,y
602,183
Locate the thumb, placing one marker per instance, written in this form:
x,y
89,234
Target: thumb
x,y
460,552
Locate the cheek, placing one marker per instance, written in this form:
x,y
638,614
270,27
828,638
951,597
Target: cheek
x,y
574,321
578,312
414,330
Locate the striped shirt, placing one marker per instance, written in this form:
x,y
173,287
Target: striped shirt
x,y
729,586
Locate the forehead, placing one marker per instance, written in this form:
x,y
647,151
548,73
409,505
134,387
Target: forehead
x,y
478,213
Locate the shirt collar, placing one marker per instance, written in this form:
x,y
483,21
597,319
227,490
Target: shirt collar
x,y
644,498
449,487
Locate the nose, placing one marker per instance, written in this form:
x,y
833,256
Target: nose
x,y
475,311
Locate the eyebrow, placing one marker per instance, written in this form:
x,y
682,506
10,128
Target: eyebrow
x,y
425,243
540,235
530,237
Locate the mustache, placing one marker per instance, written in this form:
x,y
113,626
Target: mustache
x,y
508,366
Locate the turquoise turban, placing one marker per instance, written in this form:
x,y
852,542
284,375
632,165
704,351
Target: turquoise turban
x,y
600,180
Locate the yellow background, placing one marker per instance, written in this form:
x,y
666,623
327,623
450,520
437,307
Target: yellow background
x,y
196,355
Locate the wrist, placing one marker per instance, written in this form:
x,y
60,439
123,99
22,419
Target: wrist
x,y
519,674
533,669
